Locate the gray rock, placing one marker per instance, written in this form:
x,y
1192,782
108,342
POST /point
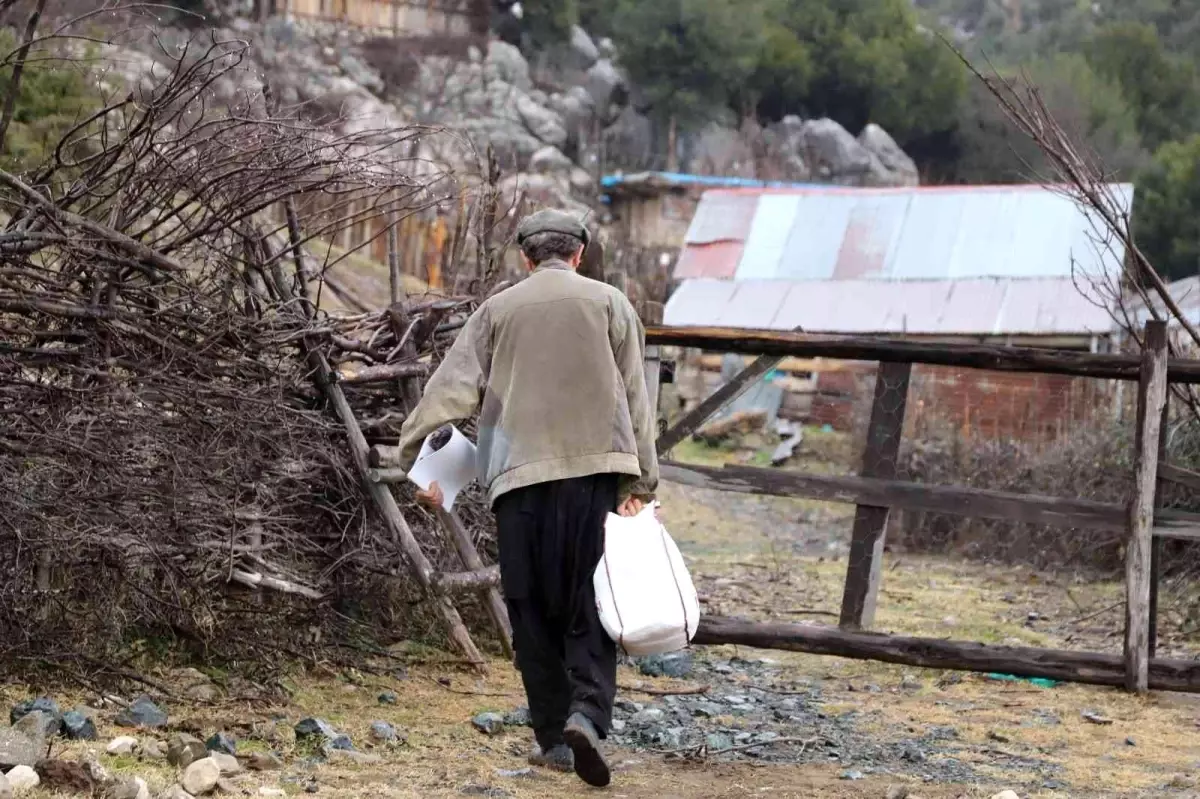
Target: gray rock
x,y
542,122
708,710
505,62
606,84
201,776
42,704
851,774
630,138
153,750
382,731
518,717
320,731
583,47
650,715
133,788
25,743
550,160
6,791
833,153
78,727
388,698
142,713
489,723
221,742
892,165
717,741
677,664
228,764
184,749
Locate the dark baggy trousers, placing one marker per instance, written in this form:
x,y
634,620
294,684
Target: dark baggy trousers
x,y
551,539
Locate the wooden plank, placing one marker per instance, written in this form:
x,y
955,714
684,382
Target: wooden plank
x,y
865,562
1152,396
460,538
934,653
715,402
1180,476
1156,542
1083,514
971,356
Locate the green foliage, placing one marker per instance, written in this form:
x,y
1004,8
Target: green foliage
x,y
691,57
53,98
1160,87
854,60
1167,209
548,22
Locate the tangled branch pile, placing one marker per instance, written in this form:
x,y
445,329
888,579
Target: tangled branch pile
x,y
164,454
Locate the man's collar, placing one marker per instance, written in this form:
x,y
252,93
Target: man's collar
x,y
553,263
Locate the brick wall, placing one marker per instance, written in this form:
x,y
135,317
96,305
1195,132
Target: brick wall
x,y
1032,408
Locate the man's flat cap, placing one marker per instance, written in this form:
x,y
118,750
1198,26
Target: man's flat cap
x,y
552,220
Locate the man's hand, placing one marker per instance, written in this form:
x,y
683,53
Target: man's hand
x,y
433,497
631,507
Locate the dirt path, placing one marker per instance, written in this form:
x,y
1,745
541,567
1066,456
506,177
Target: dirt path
x,y
814,726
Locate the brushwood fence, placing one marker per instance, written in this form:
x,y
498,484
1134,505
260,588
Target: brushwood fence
x,y
876,491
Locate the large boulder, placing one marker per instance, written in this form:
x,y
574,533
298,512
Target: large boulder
x,y
606,84
895,168
505,63
542,122
630,140
584,50
833,153
550,160
25,743
143,713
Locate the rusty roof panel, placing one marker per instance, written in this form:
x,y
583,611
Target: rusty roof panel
x,y
719,259
753,304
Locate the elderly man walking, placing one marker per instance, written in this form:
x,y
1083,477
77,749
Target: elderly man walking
x,y
566,436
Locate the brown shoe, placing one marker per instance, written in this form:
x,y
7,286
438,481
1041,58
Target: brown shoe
x,y
557,758
584,741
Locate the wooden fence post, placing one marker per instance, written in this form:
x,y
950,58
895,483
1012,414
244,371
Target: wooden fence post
x,y
652,315
870,522
1156,541
1152,397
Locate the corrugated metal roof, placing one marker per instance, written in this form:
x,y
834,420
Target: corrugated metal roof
x,y
970,306
903,234
977,260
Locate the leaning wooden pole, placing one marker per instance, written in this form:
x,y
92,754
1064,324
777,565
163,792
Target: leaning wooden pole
x,y
1152,397
492,600
1091,668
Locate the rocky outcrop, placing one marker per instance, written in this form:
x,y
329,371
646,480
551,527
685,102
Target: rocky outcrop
x,y
548,123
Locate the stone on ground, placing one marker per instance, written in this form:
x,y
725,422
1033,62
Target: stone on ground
x,y
123,745
320,730
22,779
201,776
388,698
221,742
227,763
185,749
677,664
42,704
153,750
518,717
134,788
142,713
77,726
489,723
25,743
382,731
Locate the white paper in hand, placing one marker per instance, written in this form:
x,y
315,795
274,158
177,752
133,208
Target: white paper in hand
x,y
451,467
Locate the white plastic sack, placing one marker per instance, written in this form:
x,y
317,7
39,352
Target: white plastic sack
x,y
645,596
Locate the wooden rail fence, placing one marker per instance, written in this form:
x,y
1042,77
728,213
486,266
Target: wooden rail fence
x,y
875,491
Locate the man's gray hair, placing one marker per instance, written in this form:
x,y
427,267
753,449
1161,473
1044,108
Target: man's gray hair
x,y
542,247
